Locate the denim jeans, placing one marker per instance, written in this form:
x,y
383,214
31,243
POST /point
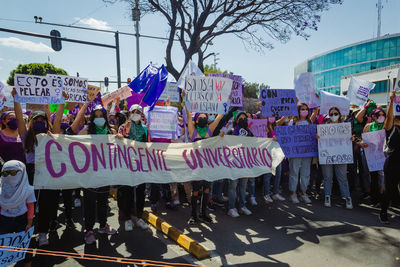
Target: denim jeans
x,y
251,186
277,181
300,166
242,192
341,176
217,187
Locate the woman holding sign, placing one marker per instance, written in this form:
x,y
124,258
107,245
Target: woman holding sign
x,y
96,197
340,169
392,166
300,165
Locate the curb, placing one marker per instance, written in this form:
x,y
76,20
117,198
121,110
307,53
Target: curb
x,y
184,241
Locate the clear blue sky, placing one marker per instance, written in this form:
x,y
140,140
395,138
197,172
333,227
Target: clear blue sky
x,y
354,21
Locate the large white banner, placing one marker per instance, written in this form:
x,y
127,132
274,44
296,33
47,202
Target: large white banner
x,y
358,91
329,100
334,143
374,152
90,161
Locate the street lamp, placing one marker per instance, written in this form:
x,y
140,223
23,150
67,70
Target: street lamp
x,y
136,19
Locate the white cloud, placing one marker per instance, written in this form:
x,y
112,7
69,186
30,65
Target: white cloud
x,y
25,45
94,23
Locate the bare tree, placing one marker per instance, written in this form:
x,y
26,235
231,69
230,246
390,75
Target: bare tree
x,y
196,23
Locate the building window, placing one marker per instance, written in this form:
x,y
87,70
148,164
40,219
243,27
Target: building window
x,y
380,87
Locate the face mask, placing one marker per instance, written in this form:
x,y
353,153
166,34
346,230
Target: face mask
x,y
99,122
334,118
243,123
135,117
286,121
271,120
211,118
39,126
202,122
303,113
381,119
12,124
64,125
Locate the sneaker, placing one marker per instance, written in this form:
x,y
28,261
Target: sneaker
x,y
141,224
224,199
43,241
70,223
205,218
90,238
233,213
383,218
77,202
176,202
278,197
211,206
245,211
268,199
219,202
305,199
327,202
128,225
349,204
193,220
253,201
294,199
107,230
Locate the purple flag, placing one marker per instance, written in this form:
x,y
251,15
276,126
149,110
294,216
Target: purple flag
x,y
156,88
142,82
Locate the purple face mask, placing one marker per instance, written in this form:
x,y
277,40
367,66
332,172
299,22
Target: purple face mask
x,y
64,125
12,124
39,126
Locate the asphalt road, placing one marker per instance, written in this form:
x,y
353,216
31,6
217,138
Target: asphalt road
x,y
278,234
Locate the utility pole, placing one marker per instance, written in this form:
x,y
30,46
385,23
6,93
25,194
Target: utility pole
x,y
118,61
136,19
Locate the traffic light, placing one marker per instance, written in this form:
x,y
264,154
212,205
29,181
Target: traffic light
x,y
106,81
129,80
55,42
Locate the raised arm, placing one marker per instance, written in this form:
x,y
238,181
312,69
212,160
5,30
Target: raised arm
x,y
58,118
79,118
215,123
18,114
360,115
389,113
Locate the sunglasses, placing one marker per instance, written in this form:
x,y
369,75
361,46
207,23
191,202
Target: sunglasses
x,y
334,114
10,172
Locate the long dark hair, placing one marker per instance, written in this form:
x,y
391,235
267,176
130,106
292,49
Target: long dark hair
x,y
31,139
297,118
92,126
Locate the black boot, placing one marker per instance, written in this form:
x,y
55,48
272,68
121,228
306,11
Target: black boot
x,y
203,215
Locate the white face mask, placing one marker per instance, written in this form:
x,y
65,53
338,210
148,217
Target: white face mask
x,y
334,118
135,117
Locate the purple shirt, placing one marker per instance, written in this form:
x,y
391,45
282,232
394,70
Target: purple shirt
x,y
11,148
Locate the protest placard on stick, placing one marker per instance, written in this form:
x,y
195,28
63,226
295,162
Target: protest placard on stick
x,y
207,94
122,93
278,102
396,100
92,92
258,127
297,140
237,92
334,143
358,91
38,89
305,89
171,90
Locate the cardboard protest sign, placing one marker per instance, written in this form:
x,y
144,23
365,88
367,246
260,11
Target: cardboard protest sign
x,y
191,69
358,91
38,89
91,161
92,92
374,152
207,94
34,107
258,127
305,89
162,118
329,100
171,90
75,87
122,93
278,102
17,240
396,100
334,143
297,140
237,92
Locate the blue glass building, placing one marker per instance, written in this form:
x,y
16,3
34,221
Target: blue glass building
x,y
328,68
